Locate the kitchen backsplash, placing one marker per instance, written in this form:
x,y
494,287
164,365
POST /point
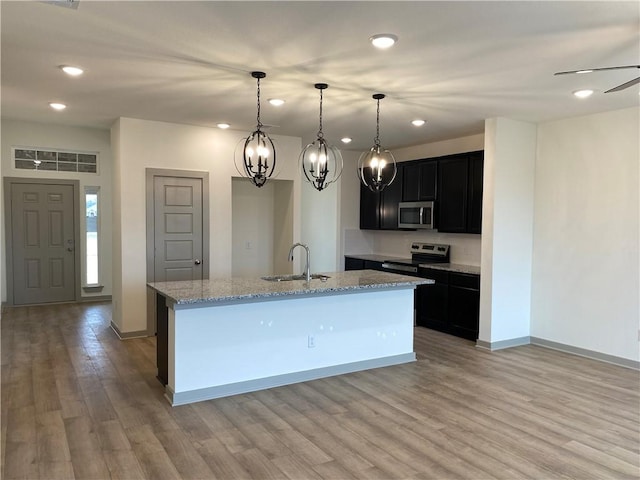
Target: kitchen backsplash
x,y
465,248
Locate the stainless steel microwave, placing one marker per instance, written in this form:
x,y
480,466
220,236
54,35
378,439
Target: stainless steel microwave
x,y
416,215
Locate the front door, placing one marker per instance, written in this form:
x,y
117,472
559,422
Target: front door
x,y
42,243
178,229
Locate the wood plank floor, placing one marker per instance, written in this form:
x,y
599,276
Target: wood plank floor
x,y
79,403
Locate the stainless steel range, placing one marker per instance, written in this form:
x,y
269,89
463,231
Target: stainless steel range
x,y
421,253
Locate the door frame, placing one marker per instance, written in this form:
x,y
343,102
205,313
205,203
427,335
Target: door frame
x,y
150,175
8,183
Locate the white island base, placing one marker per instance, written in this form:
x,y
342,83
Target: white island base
x,y
225,350
222,348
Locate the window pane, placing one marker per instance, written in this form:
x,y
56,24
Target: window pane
x,y
91,202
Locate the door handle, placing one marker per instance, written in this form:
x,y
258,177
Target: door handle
x,y
69,249
197,262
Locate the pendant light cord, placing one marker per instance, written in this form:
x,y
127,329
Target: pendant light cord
x,y
320,134
258,116
377,139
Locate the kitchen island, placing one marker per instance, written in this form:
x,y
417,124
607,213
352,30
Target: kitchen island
x,y
223,337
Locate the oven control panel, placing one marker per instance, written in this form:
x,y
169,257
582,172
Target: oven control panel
x,y
435,249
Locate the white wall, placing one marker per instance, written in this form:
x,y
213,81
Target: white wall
x,y
262,228
320,222
507,230
465,248
144,144
29,134
586,239
252,228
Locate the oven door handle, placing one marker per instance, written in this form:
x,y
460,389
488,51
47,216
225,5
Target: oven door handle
x,y
401,268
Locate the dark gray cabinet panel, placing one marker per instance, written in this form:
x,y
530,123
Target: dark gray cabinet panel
x,y
451,305
419,180
379,210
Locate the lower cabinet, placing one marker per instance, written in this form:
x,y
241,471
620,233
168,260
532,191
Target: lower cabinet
x,y
351,263
451,305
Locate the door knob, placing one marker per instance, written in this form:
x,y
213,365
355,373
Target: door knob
x,y
197,262
69,249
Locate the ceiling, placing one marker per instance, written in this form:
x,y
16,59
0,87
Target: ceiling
x,y
455,64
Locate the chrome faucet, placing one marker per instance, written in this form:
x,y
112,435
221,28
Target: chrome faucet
x,y
307,271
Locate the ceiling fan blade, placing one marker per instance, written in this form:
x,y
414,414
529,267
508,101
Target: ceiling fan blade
x,y
624,85
589,70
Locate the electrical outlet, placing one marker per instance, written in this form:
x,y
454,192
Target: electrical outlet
x,y
248,246
311,341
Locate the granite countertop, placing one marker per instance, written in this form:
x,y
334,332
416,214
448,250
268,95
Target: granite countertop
x,y
225,290
374,257
453,267
450,267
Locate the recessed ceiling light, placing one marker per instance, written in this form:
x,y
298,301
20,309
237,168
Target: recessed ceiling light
x,y
73,71
223,126
57,106
276,102
417,123
383,40
583,93
345,140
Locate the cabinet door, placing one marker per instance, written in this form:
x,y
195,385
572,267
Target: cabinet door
x,y
464,312
431,306
411,182
453,178
369,209
428,180
476,171
351,263
391,197
373,265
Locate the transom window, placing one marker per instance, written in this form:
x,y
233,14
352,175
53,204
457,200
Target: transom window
x,y
51,160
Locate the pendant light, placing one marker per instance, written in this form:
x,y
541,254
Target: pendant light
x,y
320,161
377,167
259,152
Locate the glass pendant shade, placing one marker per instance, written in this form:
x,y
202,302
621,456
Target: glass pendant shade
x,y
377,167
320,161
258,152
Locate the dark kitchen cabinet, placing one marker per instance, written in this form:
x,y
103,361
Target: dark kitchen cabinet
x,y
453,188
451,305
460,193
432,301
464,305
454,182
351,263
373,265
379,210
419,180
474,209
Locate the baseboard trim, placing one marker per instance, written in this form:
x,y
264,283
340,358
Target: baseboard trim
x,y
583,352
127,335
512,342
96,298
199,395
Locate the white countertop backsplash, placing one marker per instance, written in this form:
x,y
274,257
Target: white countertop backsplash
x,y
465,248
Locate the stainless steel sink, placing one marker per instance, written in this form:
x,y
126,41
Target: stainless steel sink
x,y
289,278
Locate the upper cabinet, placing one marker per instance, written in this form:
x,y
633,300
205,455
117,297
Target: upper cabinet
x,y
453,181
420,180
379,210
460,193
